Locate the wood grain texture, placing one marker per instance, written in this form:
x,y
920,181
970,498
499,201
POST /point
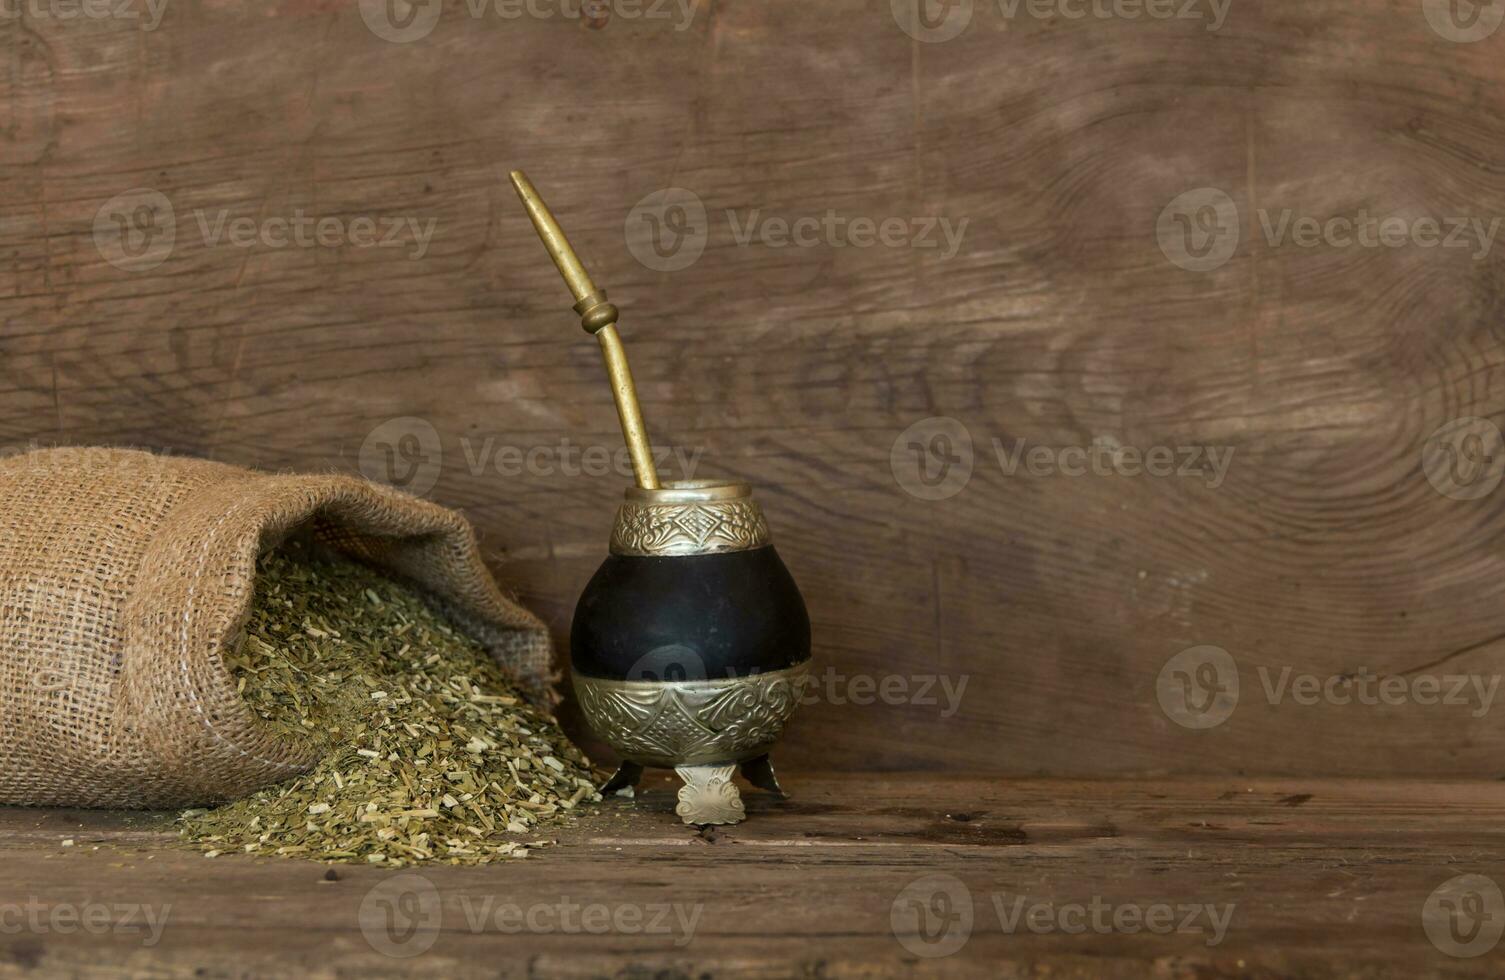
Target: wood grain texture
x,y
1058,321
1311,877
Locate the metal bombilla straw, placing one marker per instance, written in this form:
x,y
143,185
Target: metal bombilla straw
x,y
598,317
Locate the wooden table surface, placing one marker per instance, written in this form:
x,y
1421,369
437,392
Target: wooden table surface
x,y
1150,877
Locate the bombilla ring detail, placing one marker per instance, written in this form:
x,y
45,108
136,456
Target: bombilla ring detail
x,y
595,312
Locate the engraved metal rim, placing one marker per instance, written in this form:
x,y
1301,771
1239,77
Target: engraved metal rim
x,y
689,517
601,702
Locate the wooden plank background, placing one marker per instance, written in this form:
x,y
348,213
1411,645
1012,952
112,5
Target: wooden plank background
x,y
1059,320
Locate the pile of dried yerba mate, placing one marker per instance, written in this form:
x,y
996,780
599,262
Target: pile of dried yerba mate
x,y
431,756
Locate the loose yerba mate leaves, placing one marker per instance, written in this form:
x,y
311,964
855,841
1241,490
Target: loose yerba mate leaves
x,y
431,755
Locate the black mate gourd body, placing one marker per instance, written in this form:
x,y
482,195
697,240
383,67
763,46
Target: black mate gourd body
x,y
690,617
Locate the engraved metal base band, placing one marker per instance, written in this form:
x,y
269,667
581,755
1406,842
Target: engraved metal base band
x,y
690,723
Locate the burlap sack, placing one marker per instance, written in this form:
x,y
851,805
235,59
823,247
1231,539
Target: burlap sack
x,y
122,577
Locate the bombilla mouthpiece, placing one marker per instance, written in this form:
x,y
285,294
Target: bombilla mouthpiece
x,y
598,317
558,246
